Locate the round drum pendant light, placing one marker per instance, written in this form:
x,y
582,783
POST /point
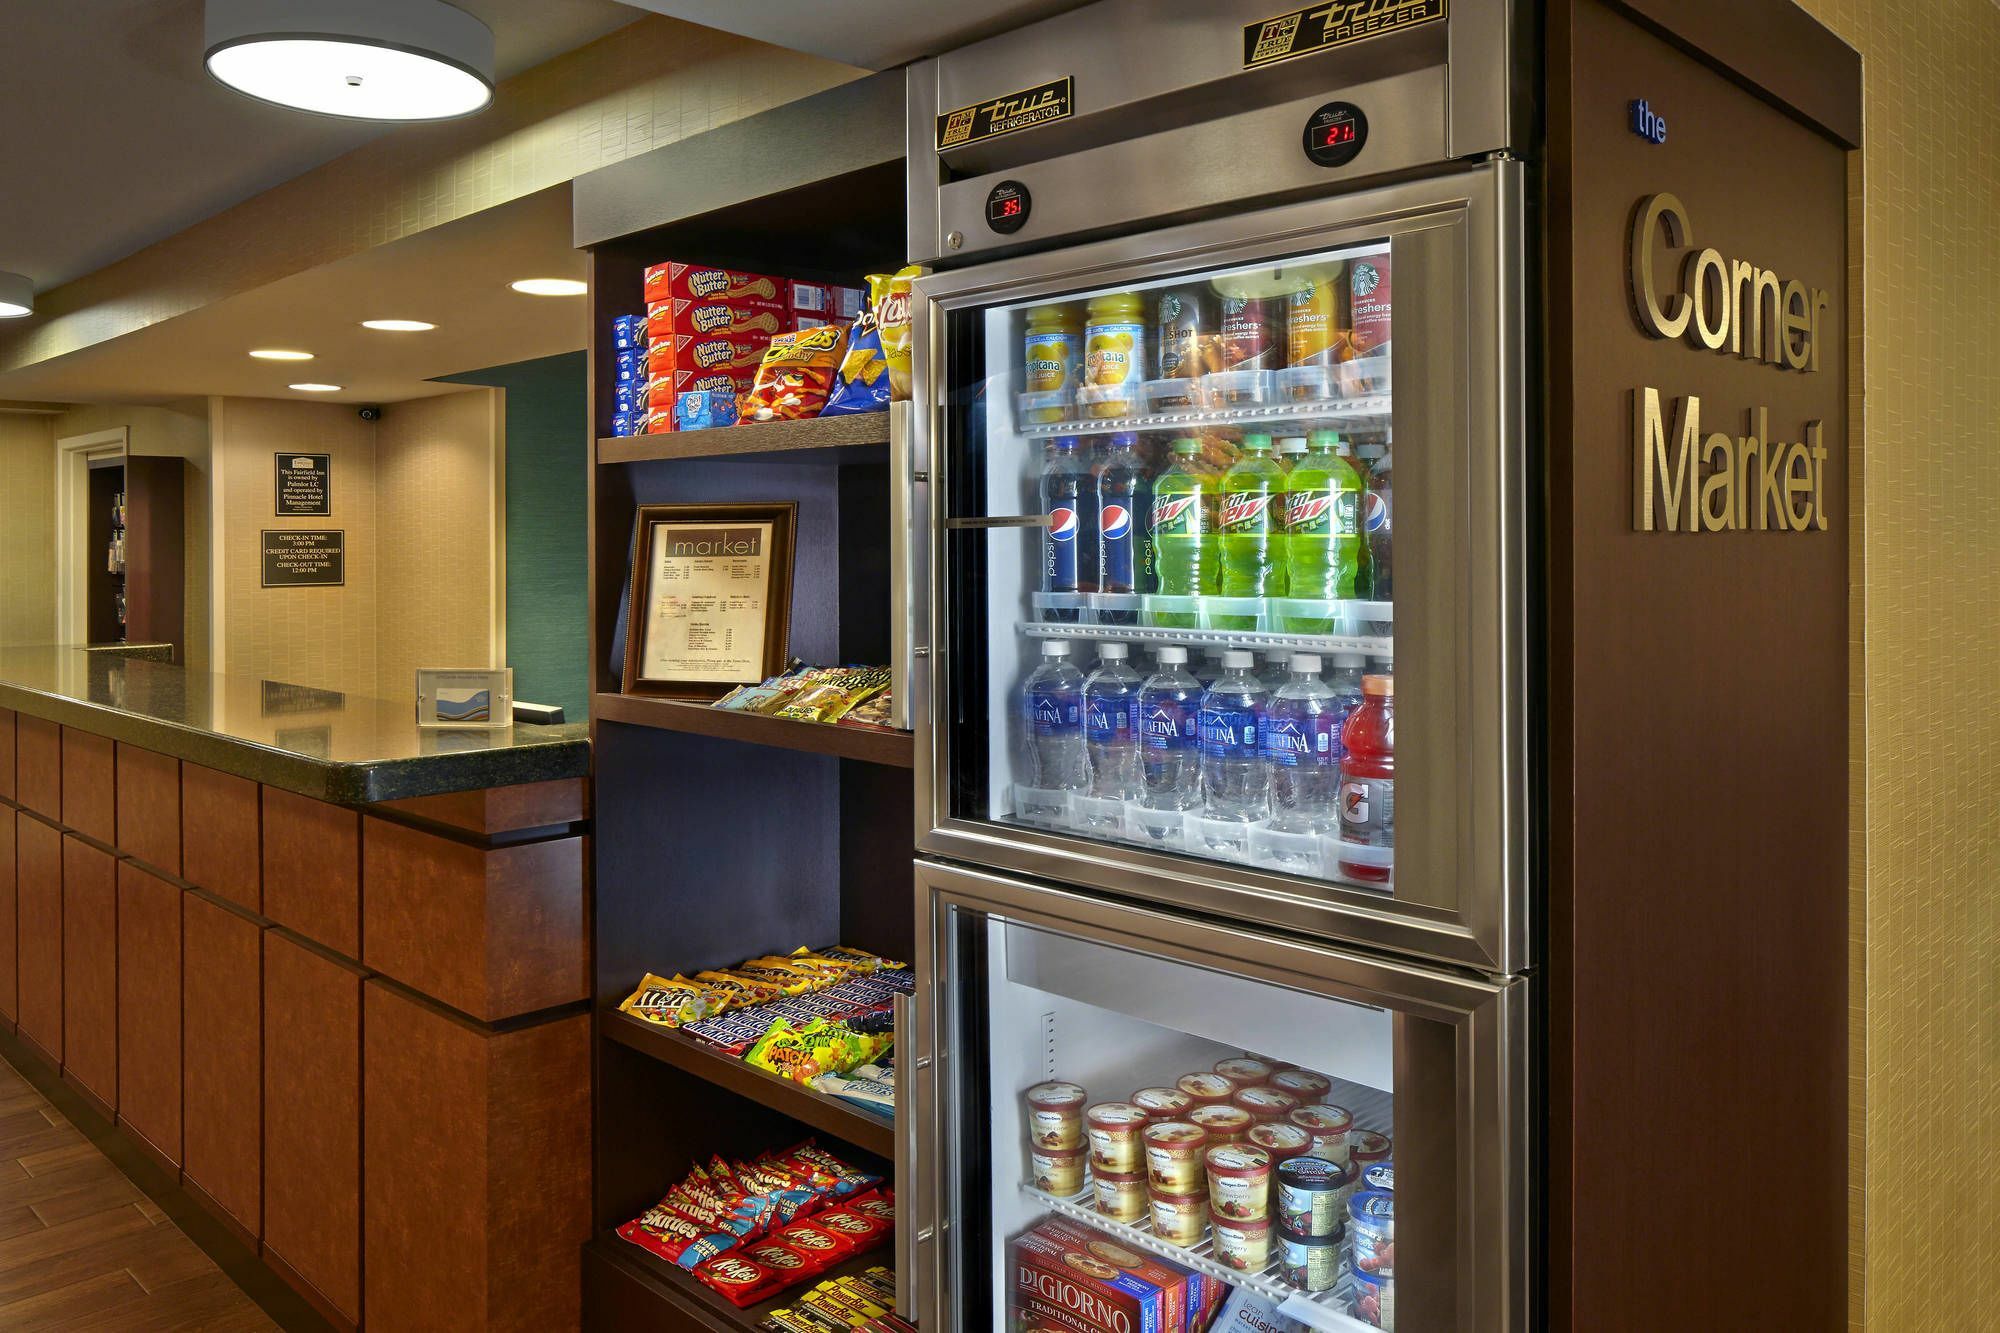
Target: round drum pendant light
x,y
17,296
363,59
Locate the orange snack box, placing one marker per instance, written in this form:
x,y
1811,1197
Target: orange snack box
x,y
688,351
722,319
698,282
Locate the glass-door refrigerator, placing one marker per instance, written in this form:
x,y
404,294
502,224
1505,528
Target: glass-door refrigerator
x,y
1224,803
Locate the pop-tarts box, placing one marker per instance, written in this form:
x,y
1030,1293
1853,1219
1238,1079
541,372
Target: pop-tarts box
x,y
1188,1295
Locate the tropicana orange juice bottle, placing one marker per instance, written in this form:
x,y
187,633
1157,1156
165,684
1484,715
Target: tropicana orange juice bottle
x,y
1114,351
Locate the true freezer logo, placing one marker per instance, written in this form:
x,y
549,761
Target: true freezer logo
x,y
1317,27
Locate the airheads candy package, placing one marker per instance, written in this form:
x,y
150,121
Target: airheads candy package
x,y
665,319
1077,1280
698,282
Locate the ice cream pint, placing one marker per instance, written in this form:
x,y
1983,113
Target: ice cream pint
x,y
1265,1104
1055,1115
1375,1299
1180,1218
1113,1129
1306,1263
1173,1157
1210,1089
1057,1170
1312,1193
1244,1071
1163,1103
1367,1146
1239,1181
1120,1197
1222,1124
1371,1229
1328,1126
1303,1084
1379,1176
1242,1245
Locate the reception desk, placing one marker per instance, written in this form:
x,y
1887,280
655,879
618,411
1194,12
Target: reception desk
x,y
325,968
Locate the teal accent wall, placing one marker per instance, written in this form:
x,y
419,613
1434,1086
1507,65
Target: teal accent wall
x,y
548,462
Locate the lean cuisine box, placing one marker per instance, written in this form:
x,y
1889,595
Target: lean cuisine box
x,y
1069,1278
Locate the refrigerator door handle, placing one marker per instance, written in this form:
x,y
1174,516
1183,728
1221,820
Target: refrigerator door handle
x,y
998,521
909,584
915,1237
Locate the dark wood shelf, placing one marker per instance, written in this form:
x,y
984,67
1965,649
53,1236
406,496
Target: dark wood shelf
x,y
858,431
680,1297
895,749
830,1115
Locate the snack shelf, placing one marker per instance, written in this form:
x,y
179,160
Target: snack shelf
x,y
688,1300
855,431
1322,1310
830,1115
894,749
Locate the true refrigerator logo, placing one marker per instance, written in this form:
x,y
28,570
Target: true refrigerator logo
x,y
1040,105
1318,27
1685,480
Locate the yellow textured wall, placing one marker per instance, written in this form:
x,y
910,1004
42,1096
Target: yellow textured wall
x,y
437,527
27,529
1930,907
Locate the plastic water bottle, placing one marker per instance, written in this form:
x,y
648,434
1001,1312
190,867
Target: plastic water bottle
x,y
1210,669
1169,733
1302,750
1051,726
1277,668
1069,498
1233,781
1110,727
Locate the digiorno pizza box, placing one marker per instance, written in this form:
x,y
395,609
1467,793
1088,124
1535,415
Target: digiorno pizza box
x,y
1074,1279
1190,1292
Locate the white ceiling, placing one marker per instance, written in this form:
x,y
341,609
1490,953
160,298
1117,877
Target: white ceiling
x,y
112,136
873,34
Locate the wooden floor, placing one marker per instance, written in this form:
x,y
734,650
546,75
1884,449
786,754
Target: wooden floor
x,y
82,1248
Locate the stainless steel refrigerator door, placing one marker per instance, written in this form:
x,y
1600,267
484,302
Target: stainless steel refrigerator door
x,y
1458,248
1456,1050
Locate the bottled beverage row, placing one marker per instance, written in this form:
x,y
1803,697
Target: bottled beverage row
x,y
1232,763
1306,333
1269,525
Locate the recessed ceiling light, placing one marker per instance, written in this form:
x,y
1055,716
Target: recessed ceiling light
x,y
397,325
362,59
317,388
550,287
280,354
17,296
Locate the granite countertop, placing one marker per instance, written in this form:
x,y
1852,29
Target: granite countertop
x,y
344,748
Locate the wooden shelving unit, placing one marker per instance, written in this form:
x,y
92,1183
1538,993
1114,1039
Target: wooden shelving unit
x,y
894,748
849,1124
818,433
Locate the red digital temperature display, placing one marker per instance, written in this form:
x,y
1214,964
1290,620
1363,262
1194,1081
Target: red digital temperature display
x,y
1008,208
1334,135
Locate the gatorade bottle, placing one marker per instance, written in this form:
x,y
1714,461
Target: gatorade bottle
x,y
1247,524
1322,532
1184,554
1368,778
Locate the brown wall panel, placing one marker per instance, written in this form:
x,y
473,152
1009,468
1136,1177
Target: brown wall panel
x,y
312,869
6,754
38,765
222,1056
149,1008
149,807
483,1140
90,785
90,968
502,809
10,995
38,906
493,933
312,1119
219,835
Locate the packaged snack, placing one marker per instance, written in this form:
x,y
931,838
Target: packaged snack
x,y
795,375
829,700
827,301
701,409
665,1232
628,333
714,319
861,384
869,1086
892,317
781,1259
715,353
698,282
798,1319
868,961
740,1280
672,1002
855,1224
659,421
1055,1114
1247,1312
628,423
881,1206
815,1242
741,990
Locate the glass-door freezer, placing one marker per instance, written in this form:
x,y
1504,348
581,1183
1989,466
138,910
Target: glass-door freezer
x,y
1226,581
1134,1120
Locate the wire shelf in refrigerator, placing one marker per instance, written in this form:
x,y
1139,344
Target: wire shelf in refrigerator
x,y
1330,414
1374,645
1321,1309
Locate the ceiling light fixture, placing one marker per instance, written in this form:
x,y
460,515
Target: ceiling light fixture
x,y
17,296
550,287
361,59
280,354
397,325
317,388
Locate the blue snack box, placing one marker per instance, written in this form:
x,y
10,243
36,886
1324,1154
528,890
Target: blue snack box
x,y
628,423
628,333
700,409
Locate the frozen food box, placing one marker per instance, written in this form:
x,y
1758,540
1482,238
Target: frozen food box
x,y
1057,1260
674,280
729,319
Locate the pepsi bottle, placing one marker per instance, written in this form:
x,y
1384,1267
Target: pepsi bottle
x,y
1124,525
1069,498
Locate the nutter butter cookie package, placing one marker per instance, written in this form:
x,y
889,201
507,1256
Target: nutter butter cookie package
x,y
675,280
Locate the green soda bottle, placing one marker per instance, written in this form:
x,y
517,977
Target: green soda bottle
x,y
1250,529
1184,556
1322,529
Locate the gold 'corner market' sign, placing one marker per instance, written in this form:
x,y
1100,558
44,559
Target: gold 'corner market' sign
x,y
1316,27
1045,102
1687,481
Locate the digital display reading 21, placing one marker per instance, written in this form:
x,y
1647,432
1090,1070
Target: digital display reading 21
x,y
1335,134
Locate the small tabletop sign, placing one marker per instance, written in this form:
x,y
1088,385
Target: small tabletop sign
x,y
304,484
304,559
473,697
711,598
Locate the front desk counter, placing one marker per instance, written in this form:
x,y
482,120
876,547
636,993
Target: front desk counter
x,y
325,968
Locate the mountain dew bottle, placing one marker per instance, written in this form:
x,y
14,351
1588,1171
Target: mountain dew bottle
x,y
1322,528
1252,532
1184,556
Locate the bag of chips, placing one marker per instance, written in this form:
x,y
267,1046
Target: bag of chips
x,y
892,318
862,382
795,376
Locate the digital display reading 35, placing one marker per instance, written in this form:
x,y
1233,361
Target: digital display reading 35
x,y
1007,207
1335,133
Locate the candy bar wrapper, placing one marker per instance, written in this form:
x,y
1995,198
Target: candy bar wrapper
x,y
718,352
734,1032
666,1233
740,1280
864,1230
672,1002
741,990
697,282
787,1263
751,320
798,1319
840,1303
816,1243
867,962
875,1091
